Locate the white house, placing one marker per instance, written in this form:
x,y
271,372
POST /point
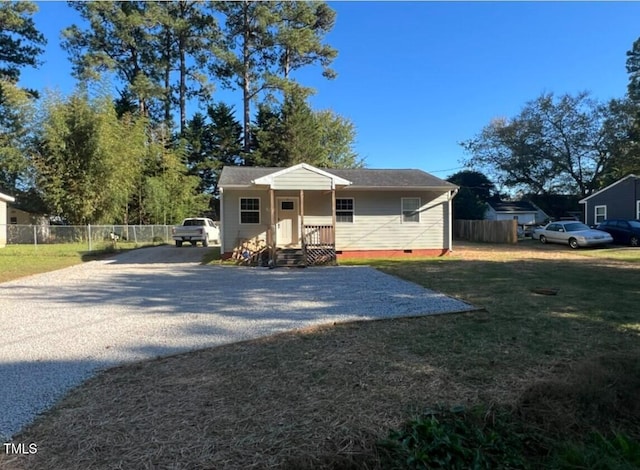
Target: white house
x,y
4,199
328,214
526,213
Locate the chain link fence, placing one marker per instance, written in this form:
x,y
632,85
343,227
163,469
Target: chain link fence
x,y
91,235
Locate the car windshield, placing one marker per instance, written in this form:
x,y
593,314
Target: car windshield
x,y
634,223
576,227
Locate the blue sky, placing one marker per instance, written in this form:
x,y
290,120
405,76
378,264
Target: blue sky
x,y
416,78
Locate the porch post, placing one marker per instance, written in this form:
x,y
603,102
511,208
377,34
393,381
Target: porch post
x,y
302,238
333,215
271,236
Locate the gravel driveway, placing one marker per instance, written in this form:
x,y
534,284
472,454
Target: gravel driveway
x,y
58,328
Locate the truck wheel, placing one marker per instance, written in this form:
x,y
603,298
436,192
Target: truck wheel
x,y
205,242
178,243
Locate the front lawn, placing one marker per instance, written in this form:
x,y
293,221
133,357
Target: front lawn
x,y
24,260
562,368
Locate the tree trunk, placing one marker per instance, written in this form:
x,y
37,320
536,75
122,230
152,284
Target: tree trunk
x,y
246,81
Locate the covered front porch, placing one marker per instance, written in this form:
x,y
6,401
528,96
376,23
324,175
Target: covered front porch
x,y
302,215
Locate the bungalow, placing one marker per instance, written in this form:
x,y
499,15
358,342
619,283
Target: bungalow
x,y
526,213
619,200
4,199
320,215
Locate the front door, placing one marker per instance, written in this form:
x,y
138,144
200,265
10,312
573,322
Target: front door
x,y
288,222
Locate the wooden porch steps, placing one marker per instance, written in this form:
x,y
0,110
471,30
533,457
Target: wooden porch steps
x,y
290,257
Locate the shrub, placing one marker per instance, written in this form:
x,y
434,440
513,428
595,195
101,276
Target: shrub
x,y
456,439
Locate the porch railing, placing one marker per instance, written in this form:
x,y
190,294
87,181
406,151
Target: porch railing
x,y
319,244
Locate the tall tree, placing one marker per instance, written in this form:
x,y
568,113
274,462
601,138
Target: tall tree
x,y
20,46
294,133
87,160
557,145
212,142
264,42
20,42
247,55
475,190
188,37
168,193
16,122
302,26
118,40
633,69
337,140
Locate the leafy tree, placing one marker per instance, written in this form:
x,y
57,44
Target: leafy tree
x,y
294,133
267,138
562,145
20,46
264,42
337,138
475,190
16,115
212,145
20,42
169,193
87,160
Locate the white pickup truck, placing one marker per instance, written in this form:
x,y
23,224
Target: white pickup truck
x,y
196,229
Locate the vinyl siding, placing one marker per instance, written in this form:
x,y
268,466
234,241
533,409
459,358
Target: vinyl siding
x,y
3,223
377,219
233,230
378,222
302,178
620,201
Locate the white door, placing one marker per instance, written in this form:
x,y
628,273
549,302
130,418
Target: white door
x,y
287,226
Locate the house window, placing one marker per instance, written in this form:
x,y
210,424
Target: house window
x,y
13,221
286,205
249,210
344,210
600,214
410,209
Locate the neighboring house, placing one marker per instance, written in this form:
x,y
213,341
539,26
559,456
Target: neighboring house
x,y
558,206
4,199
526,213
620,200
330,213
20,217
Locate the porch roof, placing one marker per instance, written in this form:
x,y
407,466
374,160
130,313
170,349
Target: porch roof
x,y
6,197
360,178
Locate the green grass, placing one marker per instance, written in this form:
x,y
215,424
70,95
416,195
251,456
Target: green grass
x,y
617,253
24,260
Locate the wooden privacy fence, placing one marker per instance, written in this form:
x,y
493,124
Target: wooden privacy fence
x,y
490,231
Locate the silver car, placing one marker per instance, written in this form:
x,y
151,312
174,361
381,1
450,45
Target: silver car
x,y
575,234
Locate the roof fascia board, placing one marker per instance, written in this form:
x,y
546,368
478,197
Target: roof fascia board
x,y
335,180
443,189
7,198
585,199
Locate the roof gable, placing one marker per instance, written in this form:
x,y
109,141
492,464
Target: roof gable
x,y
606,188
301,168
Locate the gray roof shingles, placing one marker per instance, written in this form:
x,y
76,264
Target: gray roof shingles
x,y
513,206
360,177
